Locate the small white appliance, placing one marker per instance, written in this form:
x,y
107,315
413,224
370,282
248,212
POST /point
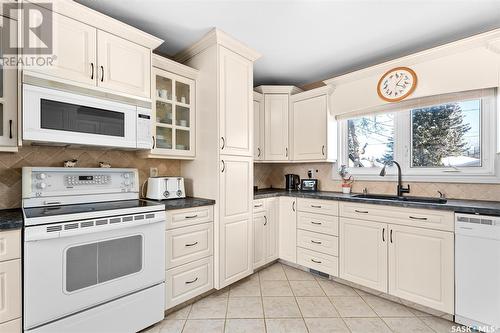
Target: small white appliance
x,y
477,271
54,116
94,254
161,188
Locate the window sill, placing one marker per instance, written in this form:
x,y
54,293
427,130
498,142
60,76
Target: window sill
x,y
477,179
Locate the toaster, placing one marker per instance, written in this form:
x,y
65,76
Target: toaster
x,y
161,188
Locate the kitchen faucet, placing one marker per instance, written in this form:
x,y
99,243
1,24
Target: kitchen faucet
x,y
400,189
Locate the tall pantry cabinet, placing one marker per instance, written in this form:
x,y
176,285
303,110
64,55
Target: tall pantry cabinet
x,y
223,168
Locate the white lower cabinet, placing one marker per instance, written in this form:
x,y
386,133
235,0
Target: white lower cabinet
x,y
363,253
265,232
188,281
10,281
12,326
318,261
287,229
421,265
188,254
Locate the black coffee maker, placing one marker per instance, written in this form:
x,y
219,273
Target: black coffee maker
x,y
292,182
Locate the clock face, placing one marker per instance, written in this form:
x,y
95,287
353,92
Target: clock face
x,y
397,84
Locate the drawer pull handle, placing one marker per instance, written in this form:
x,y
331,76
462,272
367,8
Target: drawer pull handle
x,y
192,244
191,216
315,206
418,218
361,211
316,261
193,281
258,205
315,242
317,223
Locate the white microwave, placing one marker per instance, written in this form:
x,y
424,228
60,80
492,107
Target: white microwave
x,y
60,117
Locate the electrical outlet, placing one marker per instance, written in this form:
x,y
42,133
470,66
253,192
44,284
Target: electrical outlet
x,y
311,173
153,172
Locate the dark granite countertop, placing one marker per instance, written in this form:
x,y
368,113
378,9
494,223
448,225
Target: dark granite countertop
x,y
458,206
187,202
11,219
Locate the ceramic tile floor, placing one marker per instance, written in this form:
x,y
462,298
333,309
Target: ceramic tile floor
x,y
284,299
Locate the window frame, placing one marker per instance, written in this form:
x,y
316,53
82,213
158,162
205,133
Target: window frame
x,y
488,171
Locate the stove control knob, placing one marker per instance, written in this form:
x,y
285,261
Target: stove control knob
x,y
127,182
126,175
41,176
41,185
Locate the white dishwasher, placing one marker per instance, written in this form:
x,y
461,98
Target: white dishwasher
x,y
477,271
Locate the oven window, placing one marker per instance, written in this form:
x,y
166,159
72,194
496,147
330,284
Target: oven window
x,y
76,118
91,264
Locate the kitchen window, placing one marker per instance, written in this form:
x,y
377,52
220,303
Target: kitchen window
x,y
447,138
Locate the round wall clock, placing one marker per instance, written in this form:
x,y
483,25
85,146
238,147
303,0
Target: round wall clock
x,y
397,84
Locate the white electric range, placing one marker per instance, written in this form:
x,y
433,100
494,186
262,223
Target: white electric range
x,y
94,254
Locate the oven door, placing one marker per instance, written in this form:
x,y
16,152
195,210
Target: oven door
x,y
76,269
56,116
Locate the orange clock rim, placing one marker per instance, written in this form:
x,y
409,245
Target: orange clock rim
x,y
412,89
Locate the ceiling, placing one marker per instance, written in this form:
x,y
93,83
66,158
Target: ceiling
x,y
305,41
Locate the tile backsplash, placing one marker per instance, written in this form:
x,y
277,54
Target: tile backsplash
x,y
11,164
267,175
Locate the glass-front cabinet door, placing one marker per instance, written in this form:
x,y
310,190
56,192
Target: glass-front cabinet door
x,y
8,94
174,123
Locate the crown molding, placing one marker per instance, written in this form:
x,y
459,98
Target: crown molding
x,y
217,37
103,22
270,89
173,66
487,40
325,90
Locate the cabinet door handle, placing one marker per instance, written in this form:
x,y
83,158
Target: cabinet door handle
x,y
383,235
361,211
317,223
223,166
191,216
293,206
418,218
323,150
316,261
286,152
265,218
91,70
391,235
154,142
193,281
257,205
315,206
192,244
10,129
223,143
315,242
102,73
258,152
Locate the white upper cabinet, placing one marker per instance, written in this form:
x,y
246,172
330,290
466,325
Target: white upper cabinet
x,y
8,99
236,81
123,66
276,127
75,45
258,126
89,53
314,132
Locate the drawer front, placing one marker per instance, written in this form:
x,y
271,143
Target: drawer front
x,y
259,205
10,245
424,218
328,207
188,244
318,261
189,216
10,290
325,224
13,326
188,281
318,242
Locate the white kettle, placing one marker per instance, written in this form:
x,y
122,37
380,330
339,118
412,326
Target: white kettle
x,y
161,188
